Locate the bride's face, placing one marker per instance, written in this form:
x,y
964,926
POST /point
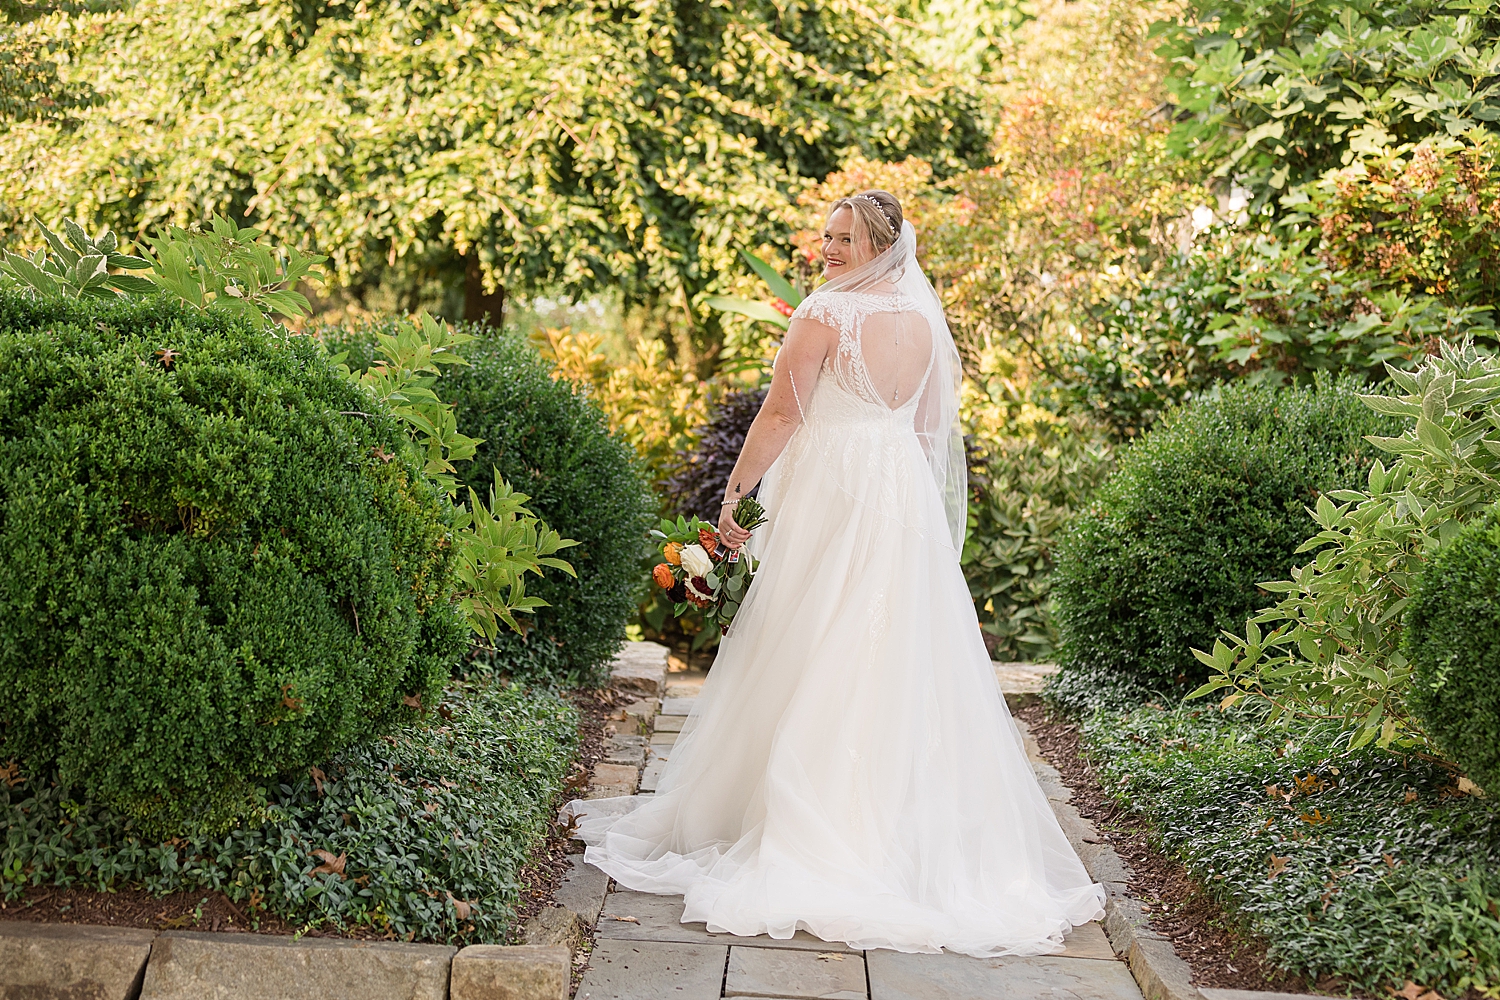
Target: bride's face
x,y
840,250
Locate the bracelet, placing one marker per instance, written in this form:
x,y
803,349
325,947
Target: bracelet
x,y
726,503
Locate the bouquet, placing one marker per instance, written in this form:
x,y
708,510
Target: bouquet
x,y
699,571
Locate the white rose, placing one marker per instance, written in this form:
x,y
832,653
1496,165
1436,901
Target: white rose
x,y
696,561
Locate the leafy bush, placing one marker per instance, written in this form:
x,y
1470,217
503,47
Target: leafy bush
x,y
1369,865
423,832
549,442
1275,94
211,572
697,487
1334,652
1453,642
654,404
1199,511
1022,495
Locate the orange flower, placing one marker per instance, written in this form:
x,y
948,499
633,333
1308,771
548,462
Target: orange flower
x,y
708,540
783,307
662,574
673,553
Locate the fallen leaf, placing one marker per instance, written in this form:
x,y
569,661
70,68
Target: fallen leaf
x,y
830,956
412,701
431,807
382,454
294,704
331,865
461,907
627,920
1469,788
1314,818
1390,861
1411,796
1274,791
178,923
318,778
166,356
11,774
1278,864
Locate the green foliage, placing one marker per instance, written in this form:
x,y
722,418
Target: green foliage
x,y
1368,865
1173,546
583,146
1279,91
1334,651
542,435
210,571
550,443
1023,494
431,827
1453,643
228,269
499,544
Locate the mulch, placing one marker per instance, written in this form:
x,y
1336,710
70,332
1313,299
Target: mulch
x,y
1220,951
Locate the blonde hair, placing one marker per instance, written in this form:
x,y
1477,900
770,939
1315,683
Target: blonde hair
x,y
877,218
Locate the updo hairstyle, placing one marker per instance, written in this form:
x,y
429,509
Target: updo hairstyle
x,y
877,218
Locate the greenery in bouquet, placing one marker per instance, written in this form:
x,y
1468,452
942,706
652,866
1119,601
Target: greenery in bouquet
x,y
698,571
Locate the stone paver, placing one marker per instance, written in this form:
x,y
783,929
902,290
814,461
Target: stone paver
x,y
653,970
625,748
895,975
651,776
637,932
776,972
612,780
583,889
645,916
191,966
493,972
641,667
1088,941
44,961
1215,994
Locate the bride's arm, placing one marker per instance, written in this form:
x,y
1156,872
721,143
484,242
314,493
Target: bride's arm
x,y
807,343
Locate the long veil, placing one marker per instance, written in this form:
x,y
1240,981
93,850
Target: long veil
x,y
937,420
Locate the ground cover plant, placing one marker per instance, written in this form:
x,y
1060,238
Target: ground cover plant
x,y
1369,866
418,834
1199,512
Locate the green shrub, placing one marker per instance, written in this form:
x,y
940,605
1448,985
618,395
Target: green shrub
x,y
552,444
211,571
1200,510
1022,495
444,810
1453,641
1368,865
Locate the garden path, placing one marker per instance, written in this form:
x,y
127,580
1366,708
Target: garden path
x,y
642,952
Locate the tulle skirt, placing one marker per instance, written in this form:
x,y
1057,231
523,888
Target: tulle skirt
x,y
850,767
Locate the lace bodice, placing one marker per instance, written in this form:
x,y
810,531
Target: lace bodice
x,y
884,374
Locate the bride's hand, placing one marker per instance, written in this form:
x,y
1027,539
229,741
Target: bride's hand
x,y
733,535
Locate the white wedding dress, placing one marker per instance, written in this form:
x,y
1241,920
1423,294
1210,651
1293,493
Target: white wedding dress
x,y
850,767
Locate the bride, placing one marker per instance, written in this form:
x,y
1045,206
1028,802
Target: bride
x,y
850,767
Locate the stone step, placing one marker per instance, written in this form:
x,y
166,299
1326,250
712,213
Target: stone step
x,y
678,706
669,723
72,960
653,970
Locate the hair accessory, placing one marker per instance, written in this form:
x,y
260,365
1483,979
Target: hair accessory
x,y
881,208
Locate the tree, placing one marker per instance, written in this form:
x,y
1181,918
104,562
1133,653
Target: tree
x,y
568,146
1276,92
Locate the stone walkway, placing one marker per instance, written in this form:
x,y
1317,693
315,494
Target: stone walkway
x,y
642,952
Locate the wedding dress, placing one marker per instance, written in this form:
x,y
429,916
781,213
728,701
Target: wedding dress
x,y
850,767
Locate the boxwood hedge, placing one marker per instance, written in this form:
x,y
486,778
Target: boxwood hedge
x,y
1199,510
213,570
1452,638
551,443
